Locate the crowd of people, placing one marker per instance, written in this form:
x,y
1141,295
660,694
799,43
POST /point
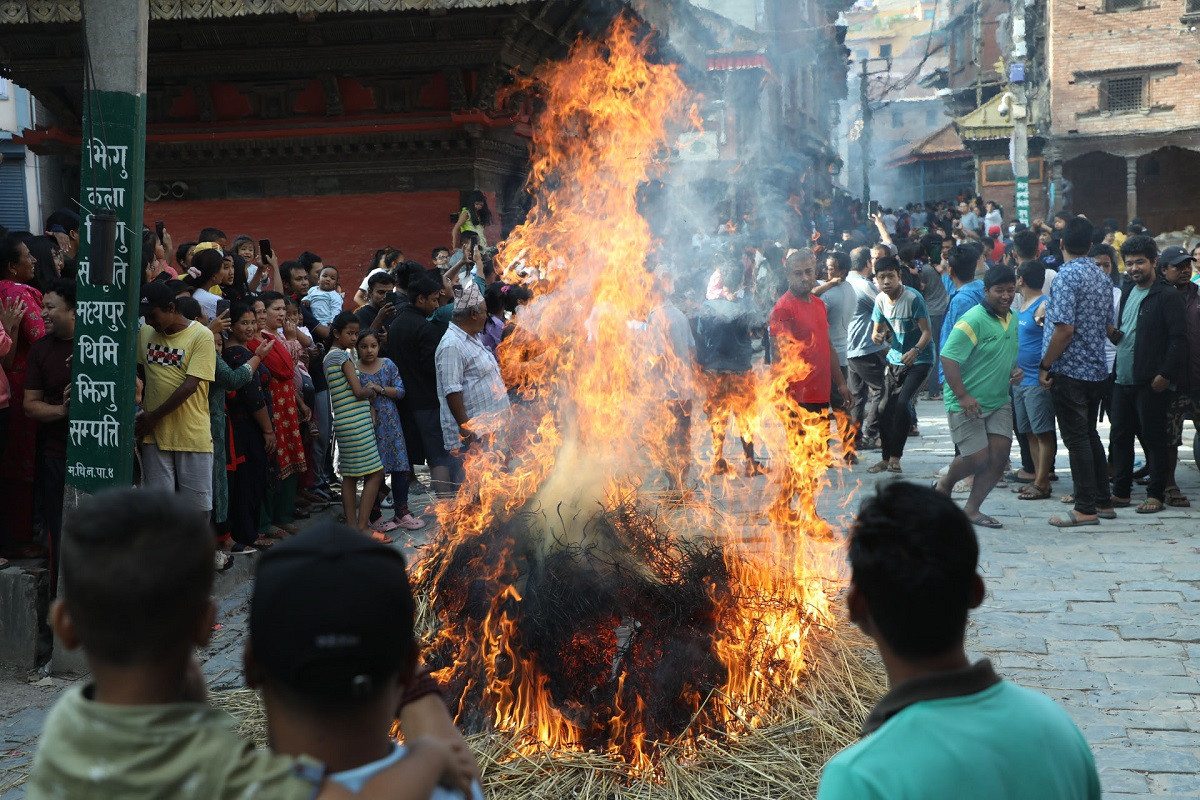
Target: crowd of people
x,y
1028,332
253,372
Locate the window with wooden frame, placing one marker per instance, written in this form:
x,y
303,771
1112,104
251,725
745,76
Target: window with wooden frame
x,y
1193,7
1124,5
1123,95
1000,173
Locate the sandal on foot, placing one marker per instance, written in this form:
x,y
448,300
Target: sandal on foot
x,y
1015,476
1068,499
1033,492
1176,498
1110,514
1151,505
385,525
1122,502
264,542
882,466
895,467
984,521
1072,521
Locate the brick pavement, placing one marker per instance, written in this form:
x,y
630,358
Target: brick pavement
x,y
1102,619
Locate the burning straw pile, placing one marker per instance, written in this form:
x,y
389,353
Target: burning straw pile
x,y
593,643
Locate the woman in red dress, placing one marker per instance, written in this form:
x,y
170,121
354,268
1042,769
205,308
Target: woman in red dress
x,y
288,462
16,462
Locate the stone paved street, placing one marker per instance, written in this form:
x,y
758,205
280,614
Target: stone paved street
x,y
1103,619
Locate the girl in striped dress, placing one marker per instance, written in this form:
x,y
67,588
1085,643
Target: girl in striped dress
x,y
358,452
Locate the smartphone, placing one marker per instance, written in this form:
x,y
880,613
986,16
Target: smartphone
x,y
874,207
161,228
264,248
222,306
393,298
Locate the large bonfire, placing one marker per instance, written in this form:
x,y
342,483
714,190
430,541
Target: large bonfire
x,y
596,636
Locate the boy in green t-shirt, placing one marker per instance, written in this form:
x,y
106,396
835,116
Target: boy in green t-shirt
x,y
979,359
136,576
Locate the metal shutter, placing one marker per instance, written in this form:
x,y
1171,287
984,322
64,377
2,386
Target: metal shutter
x,y
14,211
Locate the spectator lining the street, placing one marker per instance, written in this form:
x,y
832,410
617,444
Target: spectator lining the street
x,y
900,318
376,370
945,723
1151,339
126,551
1032,406
177,363
1074,369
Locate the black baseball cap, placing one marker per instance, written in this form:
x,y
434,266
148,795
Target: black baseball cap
x,y
1173,255
155,295
331,615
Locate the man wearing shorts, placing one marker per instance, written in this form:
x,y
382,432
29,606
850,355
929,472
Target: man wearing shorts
x,y
979,358
1032,405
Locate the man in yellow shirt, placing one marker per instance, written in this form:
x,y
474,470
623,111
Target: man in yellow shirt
x,y
176,360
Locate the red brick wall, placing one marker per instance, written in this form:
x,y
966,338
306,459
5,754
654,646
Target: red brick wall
x,y
1083,39
344,230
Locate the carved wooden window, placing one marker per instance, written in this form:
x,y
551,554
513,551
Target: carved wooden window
x,y
1123,95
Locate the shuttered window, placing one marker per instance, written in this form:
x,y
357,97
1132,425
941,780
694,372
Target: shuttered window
x,y
14,212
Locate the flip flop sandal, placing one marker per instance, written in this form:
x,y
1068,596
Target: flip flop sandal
x,y
1015,477
1067,499
1072,521
984,521
1106,514
1151,505
1122,503
1033,492
264,542
895,468
875,469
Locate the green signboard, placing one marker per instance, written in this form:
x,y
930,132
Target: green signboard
x,y
1022,198
101,445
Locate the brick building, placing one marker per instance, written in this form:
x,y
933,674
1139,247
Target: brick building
x,y
1125,114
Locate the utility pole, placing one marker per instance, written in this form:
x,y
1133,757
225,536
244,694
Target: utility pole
x,y
865,101
1020,111
112,169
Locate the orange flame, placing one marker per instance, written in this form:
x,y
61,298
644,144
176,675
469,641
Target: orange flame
x,y
597,383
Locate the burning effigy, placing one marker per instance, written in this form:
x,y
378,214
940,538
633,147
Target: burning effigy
x,y
600,636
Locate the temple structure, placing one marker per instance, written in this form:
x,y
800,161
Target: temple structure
x,y
338,125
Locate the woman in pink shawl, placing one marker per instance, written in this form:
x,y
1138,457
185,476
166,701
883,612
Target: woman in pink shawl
x,y
17,461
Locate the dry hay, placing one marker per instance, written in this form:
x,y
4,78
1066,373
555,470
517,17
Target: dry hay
x,y
782,757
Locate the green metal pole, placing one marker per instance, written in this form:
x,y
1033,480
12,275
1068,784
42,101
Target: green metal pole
x,y
101,443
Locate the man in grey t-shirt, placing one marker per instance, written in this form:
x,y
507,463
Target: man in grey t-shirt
x,y
933,291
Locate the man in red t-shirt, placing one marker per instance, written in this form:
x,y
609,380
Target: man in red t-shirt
x,y
801,328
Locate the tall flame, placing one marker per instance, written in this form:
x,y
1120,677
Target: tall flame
x,y
596,385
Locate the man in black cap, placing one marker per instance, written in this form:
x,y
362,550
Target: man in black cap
x,y
331,648
1176,266
177,360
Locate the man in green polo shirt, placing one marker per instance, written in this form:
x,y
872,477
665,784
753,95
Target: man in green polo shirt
x,y
946,729
979,359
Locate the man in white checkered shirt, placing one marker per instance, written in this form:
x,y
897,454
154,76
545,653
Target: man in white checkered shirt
x,y
471,393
